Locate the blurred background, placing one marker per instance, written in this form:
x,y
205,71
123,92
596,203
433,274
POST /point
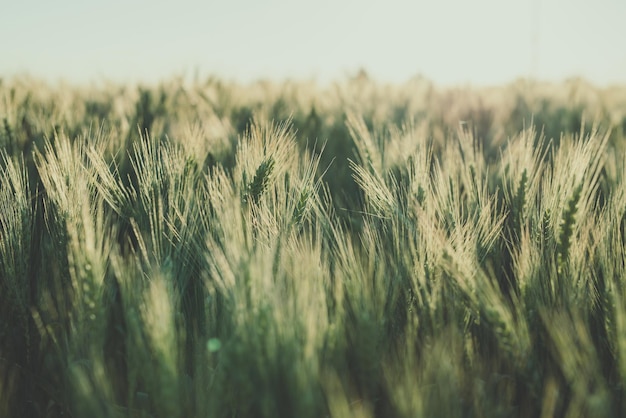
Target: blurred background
x,y
480,42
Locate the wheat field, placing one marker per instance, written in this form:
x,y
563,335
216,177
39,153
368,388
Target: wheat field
x,y
213,249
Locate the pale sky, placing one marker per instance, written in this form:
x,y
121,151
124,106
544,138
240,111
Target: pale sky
x,y
447,41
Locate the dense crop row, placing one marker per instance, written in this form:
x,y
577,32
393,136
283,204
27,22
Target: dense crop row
x,y
212,249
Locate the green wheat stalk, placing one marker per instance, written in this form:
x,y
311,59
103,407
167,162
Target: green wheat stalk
x,y
568,222
261,181
519,203
9,136
301,206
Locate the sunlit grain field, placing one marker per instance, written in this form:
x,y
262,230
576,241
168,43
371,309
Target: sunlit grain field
x,y
211,249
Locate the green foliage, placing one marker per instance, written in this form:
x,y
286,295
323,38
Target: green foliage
x,y
291,250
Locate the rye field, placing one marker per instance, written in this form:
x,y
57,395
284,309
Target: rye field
x,y
212,249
